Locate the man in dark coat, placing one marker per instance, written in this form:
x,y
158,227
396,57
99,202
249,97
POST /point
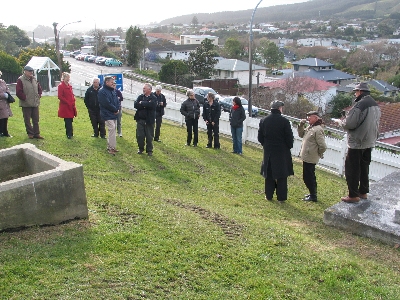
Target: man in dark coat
x,y
93,107
211,114
161,104
276,136
145,117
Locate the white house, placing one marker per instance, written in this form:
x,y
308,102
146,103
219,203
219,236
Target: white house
x,y
197,39
234,68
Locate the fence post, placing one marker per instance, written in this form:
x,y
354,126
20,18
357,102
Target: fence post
x,y
244,134
343,152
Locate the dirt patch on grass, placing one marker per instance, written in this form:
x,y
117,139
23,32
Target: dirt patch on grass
x,y
229,227
123,215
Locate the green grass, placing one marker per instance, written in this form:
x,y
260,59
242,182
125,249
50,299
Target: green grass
x,y
187,223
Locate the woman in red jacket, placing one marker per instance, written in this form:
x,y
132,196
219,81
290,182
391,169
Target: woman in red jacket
x,y
66,108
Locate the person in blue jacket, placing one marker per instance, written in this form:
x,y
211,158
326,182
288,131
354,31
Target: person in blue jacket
x,y
109,110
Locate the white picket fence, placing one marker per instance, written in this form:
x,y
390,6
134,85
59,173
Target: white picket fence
x,y
384,160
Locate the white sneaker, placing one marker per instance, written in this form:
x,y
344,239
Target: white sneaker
x,y
120,135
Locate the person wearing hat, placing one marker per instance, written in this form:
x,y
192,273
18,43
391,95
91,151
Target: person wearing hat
x,y
276,136
312,149
161,104
29,92
5,109
362,126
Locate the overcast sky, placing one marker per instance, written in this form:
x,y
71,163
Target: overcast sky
x,y
113,14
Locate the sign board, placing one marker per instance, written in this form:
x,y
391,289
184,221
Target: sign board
x,y
119,78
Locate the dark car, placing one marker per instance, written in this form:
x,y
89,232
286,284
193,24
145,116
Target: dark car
x,y
74,54
226,105
92,59
201,92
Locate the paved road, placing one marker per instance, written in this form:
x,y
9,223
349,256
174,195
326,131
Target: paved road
x,y
84,71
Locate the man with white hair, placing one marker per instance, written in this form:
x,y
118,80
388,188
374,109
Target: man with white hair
x,y
161,104
145,116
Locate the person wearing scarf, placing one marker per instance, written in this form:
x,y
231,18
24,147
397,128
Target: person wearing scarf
x,y
312,149
236,118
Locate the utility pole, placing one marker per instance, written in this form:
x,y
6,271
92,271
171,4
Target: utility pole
x,y
251,59
57,41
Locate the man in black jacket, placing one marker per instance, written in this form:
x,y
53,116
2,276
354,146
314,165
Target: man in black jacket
x,y
161,104
190,108
145,116
92,105
211,114
276,136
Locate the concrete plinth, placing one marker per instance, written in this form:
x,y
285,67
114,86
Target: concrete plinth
x,y
378,217
37,188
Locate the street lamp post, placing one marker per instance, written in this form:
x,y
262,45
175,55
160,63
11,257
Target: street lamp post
x,y
57,41
251,59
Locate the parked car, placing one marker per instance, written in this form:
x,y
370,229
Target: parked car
x,y
75,53
226,105
201,92
100,60
80,56
112,62
66,53
86,58
92,59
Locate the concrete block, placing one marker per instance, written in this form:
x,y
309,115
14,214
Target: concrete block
x,y
377,217
37,188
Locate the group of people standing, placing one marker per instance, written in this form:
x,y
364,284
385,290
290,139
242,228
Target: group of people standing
x,y
190,109
361,122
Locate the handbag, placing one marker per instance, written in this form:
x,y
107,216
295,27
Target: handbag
x,y
10,98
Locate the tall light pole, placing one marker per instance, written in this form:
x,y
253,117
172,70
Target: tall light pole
x,y
57,41
251,59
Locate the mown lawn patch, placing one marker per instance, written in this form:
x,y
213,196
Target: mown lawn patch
x,y
187,223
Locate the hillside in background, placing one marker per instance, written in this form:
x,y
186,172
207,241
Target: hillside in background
x,y
315,9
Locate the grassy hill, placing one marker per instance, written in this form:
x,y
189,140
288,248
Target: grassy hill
x,y
187,223
315,9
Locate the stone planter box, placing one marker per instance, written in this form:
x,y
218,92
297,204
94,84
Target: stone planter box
x,y
37,188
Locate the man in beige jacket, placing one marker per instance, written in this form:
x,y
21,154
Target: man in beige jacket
x,y
312,149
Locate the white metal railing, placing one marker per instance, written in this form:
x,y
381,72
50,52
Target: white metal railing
x,y
384,161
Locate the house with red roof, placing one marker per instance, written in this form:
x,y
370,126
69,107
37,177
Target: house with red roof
x,y
389,125
318,92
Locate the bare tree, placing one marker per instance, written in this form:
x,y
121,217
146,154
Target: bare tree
x,y
300,95
361,61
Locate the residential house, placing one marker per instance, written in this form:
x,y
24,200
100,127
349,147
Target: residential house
x,y
318,92
385,88
312,42
311,63
116,41
171,51
288,55
160,37
389,125
234,68
320,69
197,39
88,40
